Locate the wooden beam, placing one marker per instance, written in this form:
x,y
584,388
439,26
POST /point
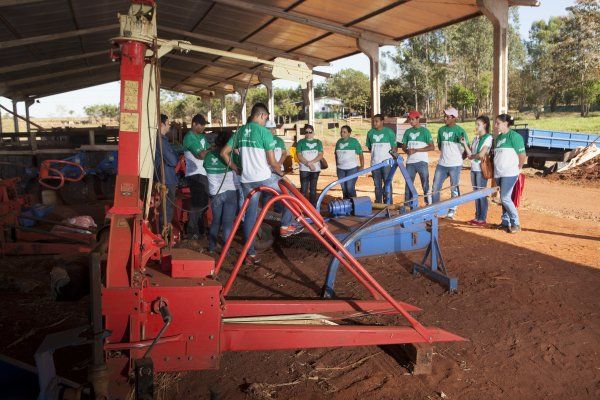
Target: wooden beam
x,y
527,3
309,20
62,86
202,75
8,3
36,78
246,46
35,64
55,36
199,87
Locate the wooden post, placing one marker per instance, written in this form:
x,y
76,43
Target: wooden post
x,y
15,119
92,137
32,135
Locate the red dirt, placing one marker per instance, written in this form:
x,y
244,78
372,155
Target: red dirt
x,y
588,172
527,303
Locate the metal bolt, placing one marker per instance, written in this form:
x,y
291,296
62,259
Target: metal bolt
x,y
191,338
200,312
190,358
211,337
212,357
166,359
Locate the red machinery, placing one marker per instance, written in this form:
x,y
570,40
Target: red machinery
x,y
158,309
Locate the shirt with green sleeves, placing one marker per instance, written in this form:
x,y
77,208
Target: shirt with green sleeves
x,y
450,147
479,142
253,140
507,148
309,148
220,177
193,144
279,148
380,142
346,151
417,138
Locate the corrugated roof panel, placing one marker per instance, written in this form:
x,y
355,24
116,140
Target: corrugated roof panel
x,y
329,47
285,35
342,11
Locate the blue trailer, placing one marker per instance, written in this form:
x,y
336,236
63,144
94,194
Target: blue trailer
x,y
543,145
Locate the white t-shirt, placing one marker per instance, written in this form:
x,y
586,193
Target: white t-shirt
x,y
253,141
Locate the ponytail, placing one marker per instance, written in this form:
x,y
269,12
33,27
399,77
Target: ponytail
x,y
506,118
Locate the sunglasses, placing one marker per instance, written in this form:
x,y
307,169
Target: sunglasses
x,y
308,131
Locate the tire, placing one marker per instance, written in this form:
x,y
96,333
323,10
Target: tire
x,y
536,162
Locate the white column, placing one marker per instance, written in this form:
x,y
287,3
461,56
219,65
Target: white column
x,y
270,95
32,136
371,50
308,96
242,92
497,12
223,111
15,119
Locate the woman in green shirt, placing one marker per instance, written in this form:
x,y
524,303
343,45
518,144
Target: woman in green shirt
x,y
346,150
310,153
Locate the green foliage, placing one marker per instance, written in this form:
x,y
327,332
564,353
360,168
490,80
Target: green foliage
x,y
287,109
97,111
352,87
461,97
395,97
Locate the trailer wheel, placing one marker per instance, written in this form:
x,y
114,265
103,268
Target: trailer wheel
x,y
536,162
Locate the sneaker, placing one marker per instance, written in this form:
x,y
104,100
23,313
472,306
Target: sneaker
x,y
251,259
481,223
514,229
450,214
290,230
473,222
501,227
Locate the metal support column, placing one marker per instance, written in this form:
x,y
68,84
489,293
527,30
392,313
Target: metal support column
x,y
223,110
308,96
270,95
32,136
15,118
497,12
371,50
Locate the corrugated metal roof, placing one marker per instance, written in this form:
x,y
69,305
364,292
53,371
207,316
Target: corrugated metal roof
x,y
253,30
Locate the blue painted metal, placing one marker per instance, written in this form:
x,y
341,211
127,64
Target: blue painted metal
x,y
556,140
340,207
363,207
357,206
403,233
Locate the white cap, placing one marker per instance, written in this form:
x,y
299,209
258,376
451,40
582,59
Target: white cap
x,y
270,125
451,112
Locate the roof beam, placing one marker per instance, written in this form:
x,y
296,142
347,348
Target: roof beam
x,y
36,78
190,75
246,46
56,36
200,87
64,86
8,3
529,3
316,22
35,64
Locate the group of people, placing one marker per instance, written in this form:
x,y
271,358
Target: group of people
x,y
227,171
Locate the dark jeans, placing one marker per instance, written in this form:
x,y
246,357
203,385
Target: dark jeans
x,y
379,176
224,210
422,169
308,185
481,205
348,187
198,185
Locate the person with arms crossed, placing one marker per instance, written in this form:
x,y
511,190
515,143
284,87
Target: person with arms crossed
x,y
346,150
380,140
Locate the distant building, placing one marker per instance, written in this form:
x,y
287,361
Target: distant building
x,y
325,107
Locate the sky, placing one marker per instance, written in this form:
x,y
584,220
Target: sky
x,y
61,104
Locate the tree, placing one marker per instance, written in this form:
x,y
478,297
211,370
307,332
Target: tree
x,y
287,109
461,97
395,97
352,87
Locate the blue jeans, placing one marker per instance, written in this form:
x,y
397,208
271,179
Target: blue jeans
x,y
348,187
379,176
252,211
441,173
308,185
224,210
510,215
481,205
421,168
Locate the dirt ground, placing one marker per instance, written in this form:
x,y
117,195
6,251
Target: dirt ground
x,y
527,303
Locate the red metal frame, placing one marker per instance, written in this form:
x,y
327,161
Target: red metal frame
x,y
140,276
49,172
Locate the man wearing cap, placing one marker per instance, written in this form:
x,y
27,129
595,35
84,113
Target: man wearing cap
x,y
380,140
416,142
451,156
196,147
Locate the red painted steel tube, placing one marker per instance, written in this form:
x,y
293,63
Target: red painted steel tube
x,y
254,308
242,337
284,198
286,187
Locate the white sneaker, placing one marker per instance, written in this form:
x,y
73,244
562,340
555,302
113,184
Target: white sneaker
x,y
450,214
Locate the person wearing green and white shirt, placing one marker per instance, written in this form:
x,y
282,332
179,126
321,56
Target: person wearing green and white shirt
x,y
380,140
196,147
223,195
450,163
509,158
482,144
310,153
258,168
346,150
279,151
416,142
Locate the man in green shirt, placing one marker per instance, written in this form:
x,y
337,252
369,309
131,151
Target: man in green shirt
x,y
416,142
196,147
259,168
380,140
450,163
